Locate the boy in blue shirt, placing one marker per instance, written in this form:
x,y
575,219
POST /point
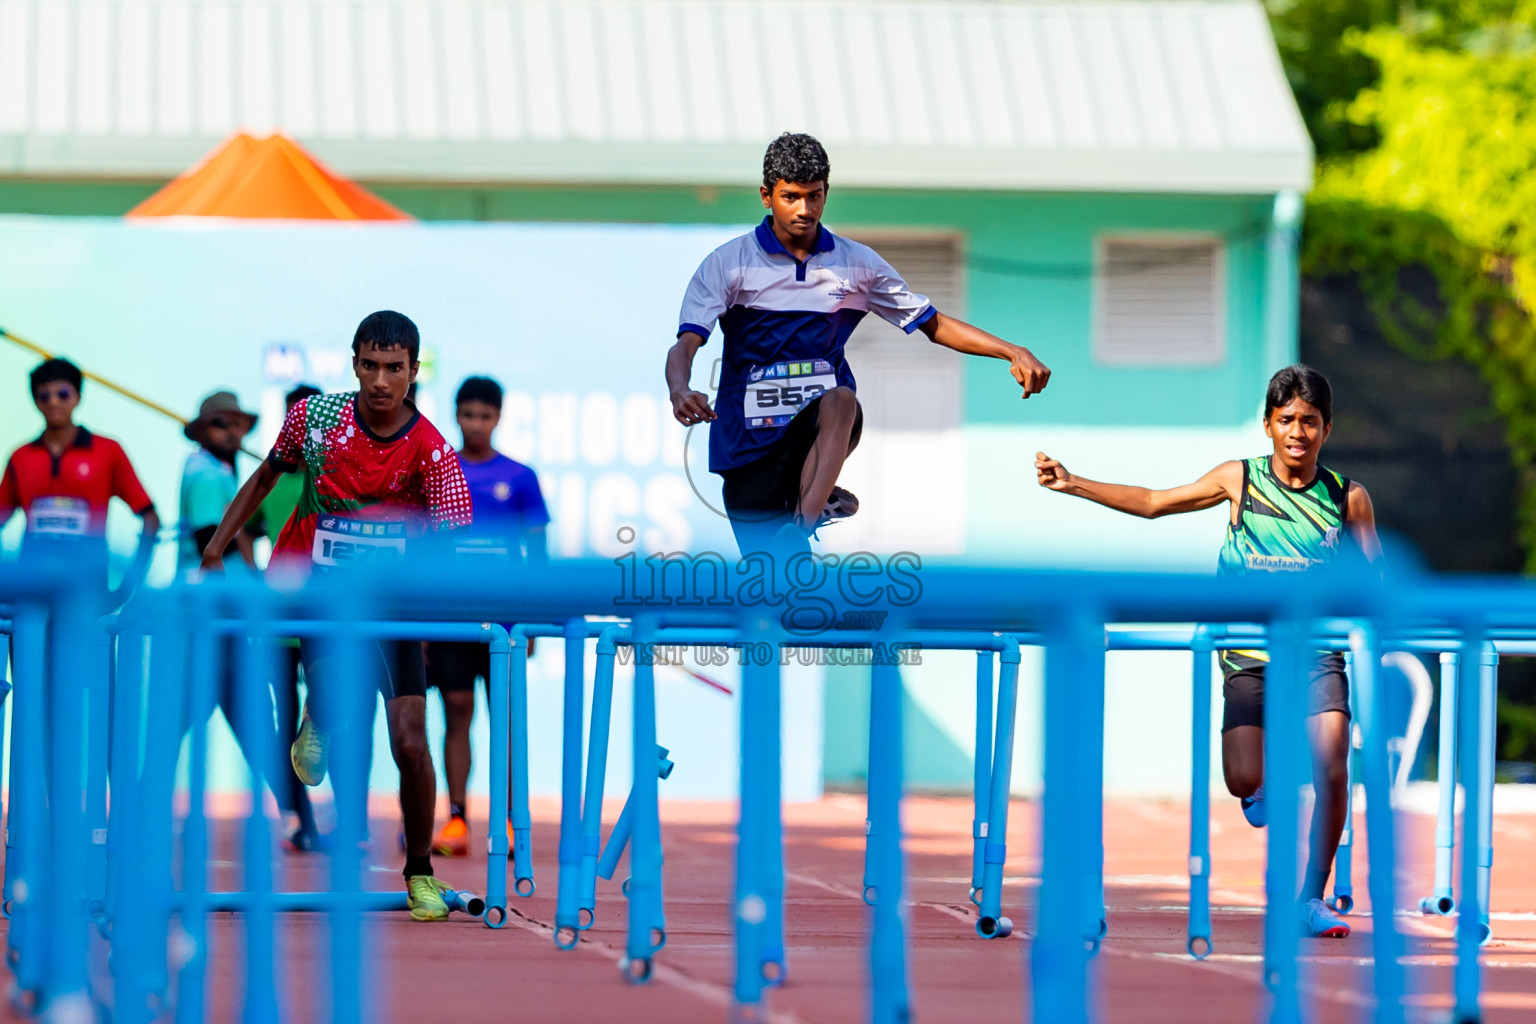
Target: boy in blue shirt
x,y
509,521
786,297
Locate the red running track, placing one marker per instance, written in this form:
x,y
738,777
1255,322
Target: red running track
x,y
462,972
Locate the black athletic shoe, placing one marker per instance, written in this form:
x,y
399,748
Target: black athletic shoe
x,y
840,505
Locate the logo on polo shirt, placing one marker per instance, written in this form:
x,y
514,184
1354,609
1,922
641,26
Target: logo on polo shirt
x,y
841,289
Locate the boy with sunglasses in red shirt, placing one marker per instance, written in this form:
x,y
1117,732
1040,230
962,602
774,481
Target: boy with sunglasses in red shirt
x,y
64,479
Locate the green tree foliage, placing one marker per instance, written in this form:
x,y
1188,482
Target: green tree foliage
x,y
1324,74
1451,188
1468,312
1424,117
1458,139
1327,71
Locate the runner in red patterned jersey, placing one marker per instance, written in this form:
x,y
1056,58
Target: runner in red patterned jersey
x,y
380,480
365,496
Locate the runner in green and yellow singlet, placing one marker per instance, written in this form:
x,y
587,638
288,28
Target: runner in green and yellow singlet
x,y
1288,514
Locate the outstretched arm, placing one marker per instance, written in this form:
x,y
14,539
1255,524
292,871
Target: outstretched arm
x,y
239,512
1030,372
688,405
1362,522
10,493
1224,483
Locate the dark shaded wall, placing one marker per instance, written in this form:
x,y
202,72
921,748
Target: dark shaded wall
x,y
1420,435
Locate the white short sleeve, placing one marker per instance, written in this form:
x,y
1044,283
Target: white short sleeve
x,y
708,296
889,296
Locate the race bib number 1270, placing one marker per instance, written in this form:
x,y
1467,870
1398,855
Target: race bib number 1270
x,y
776,393
340,541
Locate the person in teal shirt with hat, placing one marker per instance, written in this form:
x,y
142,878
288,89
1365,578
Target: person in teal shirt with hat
x,y
208,485
275,510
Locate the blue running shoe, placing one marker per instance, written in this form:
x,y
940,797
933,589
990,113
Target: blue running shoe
x,y
1255,810
1319,922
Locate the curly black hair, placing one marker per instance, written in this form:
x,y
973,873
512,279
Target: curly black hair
x,y
1303,382
797,158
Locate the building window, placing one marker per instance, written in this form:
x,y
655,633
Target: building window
x,y
911,383
1160,301
913,394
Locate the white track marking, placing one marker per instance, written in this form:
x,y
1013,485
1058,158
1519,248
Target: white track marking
x,y
718,995
841,890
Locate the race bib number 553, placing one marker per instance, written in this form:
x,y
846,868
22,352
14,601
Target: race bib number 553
x,y
340,541
776,393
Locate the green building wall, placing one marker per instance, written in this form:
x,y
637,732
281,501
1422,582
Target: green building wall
x,y
1026,279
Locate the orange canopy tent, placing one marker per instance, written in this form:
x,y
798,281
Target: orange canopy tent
x,y
264,178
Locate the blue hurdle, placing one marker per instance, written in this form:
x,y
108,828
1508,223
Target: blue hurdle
x,y
183,627
1198,940
138,921
7,627
1443,899
1446,647
573,847
994,766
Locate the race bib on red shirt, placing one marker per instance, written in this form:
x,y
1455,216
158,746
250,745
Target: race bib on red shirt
x,y
341,541
59,517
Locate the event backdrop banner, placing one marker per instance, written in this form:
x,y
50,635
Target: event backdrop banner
x,y
573,320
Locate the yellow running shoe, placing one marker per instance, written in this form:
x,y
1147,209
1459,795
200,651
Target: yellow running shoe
x,y
453,839
424,895
309,752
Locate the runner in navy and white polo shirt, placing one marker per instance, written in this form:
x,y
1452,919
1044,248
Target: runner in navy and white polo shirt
x,y
787,296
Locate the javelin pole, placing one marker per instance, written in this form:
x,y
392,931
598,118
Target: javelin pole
x,y
134,396
37,349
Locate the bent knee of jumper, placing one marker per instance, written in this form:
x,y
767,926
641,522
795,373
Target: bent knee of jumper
x,y
1243,784
840,403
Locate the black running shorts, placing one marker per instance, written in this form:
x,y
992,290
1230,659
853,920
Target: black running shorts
x,y
1242,688
761,496
396,667
452,666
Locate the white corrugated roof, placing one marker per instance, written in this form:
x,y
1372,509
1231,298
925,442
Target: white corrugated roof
x,y
1137,95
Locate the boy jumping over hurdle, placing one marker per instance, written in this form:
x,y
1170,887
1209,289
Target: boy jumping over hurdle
x,y
1288,514
381,480
510,519
787,295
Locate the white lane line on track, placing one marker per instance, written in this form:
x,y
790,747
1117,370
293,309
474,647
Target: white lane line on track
x,y
1235,965
1239,965
1407,960
718,995
1422,927
839,890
